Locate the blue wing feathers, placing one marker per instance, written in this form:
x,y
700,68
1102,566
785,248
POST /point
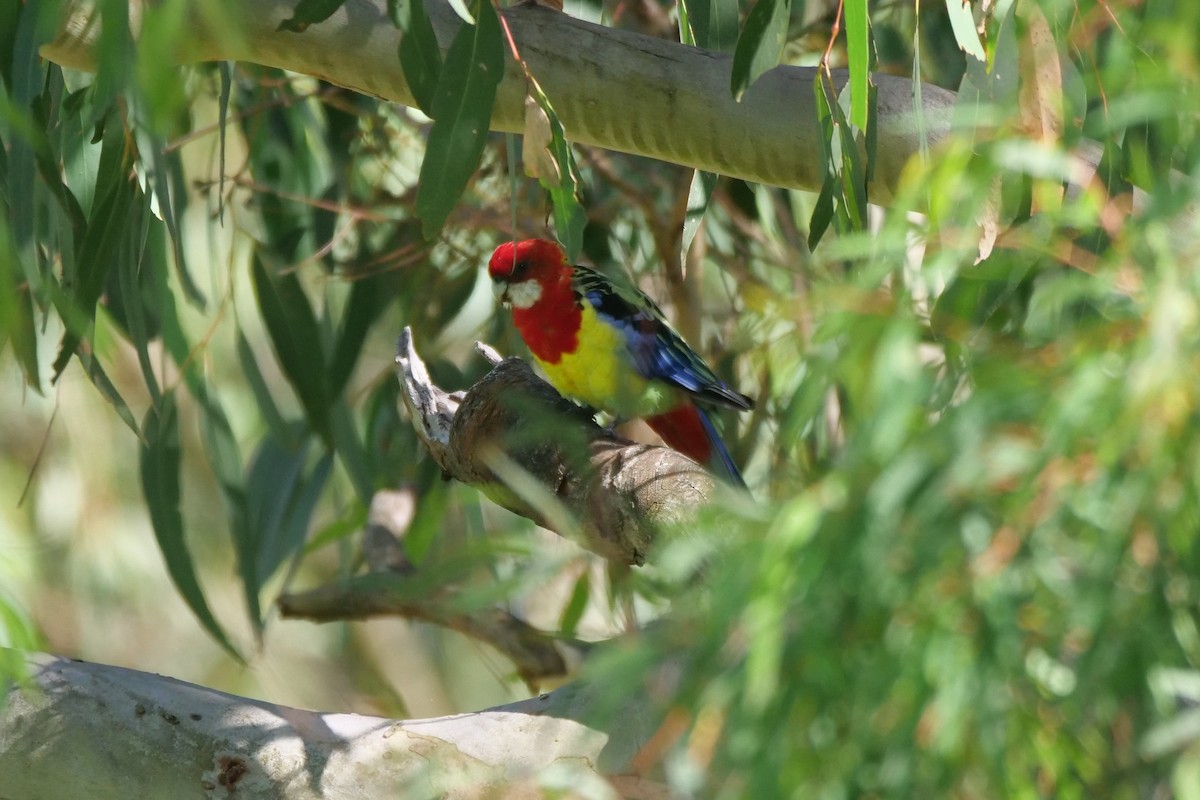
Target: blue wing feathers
x,y
720,461
655,349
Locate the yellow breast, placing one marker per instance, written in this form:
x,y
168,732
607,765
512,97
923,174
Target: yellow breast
x,y
597,373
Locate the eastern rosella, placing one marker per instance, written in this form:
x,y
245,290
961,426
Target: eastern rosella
x,y
611,348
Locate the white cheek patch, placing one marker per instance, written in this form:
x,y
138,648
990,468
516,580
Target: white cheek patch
x,y
525,293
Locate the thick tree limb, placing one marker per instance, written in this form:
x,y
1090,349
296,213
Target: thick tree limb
x,y
614,89
519,441
105,733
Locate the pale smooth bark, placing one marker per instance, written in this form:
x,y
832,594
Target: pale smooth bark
x,y
614,89
82,730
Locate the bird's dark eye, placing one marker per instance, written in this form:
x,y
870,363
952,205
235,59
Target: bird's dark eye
x,y
520,268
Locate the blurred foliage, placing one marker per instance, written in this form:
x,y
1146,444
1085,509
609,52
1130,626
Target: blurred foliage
x,y
970,569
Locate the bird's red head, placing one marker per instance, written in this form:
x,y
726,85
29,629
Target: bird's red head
x,y
522,270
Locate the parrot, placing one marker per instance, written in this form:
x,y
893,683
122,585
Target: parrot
x,y
611,348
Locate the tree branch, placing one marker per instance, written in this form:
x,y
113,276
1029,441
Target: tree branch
x,y
541,456
75,729
612,88
398,588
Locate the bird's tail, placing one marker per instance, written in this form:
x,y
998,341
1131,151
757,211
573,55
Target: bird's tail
x,y
689,430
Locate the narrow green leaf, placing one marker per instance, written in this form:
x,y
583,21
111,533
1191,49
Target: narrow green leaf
x,y
715,23
16,307
225,460
917,82
281,494
337,530
699,194
858,52
370,296
309,12
226,70
26,82
296,340
962,23
132,305
569,217
9,19
168,186
220,445
576,605
872,137
427,522
262,393
569,220
760,45
103,242
821,215
841,160
687,34
420,55
348,444
462,111
100,379
160,463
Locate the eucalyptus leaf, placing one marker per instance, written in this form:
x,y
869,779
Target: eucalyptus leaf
x,y
462,112
292,326
420,54
160,465
760,44
858,54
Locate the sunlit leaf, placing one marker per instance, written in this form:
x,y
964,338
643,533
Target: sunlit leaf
x,y
548,153
687,34
699,193
462,111
858,53
963,24
1041,78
